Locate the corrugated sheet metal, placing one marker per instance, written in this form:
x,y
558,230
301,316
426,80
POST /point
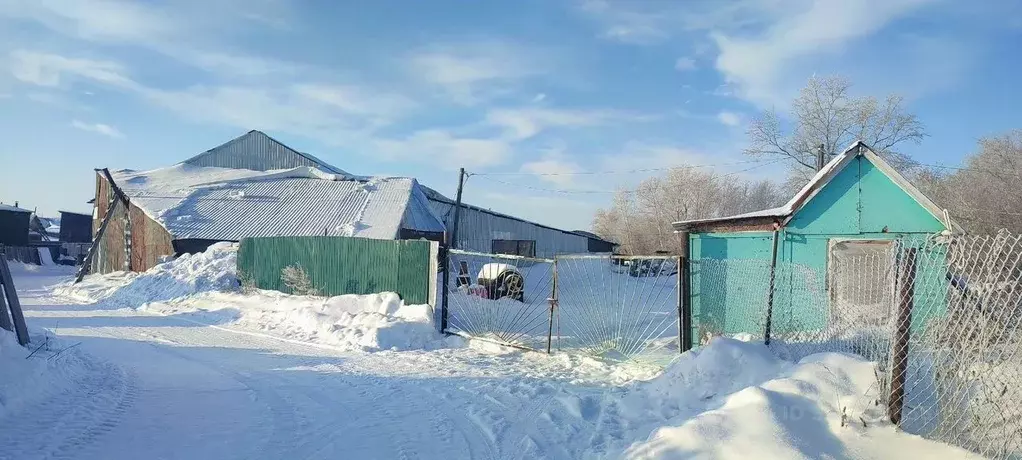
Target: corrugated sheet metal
x,y
478,229
230,204
150,242
257,151
339,265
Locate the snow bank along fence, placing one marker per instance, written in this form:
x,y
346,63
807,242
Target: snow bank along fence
x,y
342,265
620,307
941,316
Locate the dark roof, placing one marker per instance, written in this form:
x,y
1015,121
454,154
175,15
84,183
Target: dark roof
x,y
437,196
592,236
76,213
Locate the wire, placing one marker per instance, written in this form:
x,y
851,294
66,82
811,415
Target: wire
x,y
583,192
627,171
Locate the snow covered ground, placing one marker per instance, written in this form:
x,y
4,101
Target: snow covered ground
x,y
169,365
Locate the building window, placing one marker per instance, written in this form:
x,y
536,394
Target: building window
x,y
526,248
859,281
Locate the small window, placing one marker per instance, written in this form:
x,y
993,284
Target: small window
x,y
525,248
859,281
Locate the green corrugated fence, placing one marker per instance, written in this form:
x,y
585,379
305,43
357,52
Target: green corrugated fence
x,y
341,265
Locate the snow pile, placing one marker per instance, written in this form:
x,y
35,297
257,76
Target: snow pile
x,y
213,270
822,407
358,322
32,374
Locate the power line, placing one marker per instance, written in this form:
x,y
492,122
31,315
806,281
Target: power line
x,y
626,171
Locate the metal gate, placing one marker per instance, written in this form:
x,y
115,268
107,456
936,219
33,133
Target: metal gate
x,y
616,307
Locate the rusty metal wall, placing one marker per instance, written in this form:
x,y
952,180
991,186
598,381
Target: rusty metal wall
x,y
149,241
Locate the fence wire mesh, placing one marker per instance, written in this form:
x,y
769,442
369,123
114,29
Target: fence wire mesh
x,y
500,298
940,316
618,307
614,307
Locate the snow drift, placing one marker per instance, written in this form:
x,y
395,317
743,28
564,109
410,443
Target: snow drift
x,y
204,287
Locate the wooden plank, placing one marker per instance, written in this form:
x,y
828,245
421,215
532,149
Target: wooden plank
x,y
899,351
5,319
15,305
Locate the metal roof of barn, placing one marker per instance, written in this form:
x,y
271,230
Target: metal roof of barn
x,y
9,208
230,204
257,151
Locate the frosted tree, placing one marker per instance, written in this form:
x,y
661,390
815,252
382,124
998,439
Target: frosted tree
x,y
824,113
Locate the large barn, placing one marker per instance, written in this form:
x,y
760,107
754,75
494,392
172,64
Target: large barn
x,y
255,186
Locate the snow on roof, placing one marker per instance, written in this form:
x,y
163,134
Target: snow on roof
x,y
821,178
230,204
7,207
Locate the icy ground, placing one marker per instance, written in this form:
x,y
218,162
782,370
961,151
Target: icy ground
x,y
203,376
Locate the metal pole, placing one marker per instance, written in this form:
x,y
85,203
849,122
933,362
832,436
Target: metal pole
x,y
553,306
770,294
685,302
899,353
457,210
446,260
820,155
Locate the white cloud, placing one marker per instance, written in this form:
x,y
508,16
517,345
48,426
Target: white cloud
x,y
46,69
759,64
446,150
523,123
729,118
685,64
554,167
98,128
471,72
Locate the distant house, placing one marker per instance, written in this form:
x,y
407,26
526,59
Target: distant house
x,y
255,185
75,227
14,223
856,205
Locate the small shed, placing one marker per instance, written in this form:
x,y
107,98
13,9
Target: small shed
x,y
857,205
75,227
14,225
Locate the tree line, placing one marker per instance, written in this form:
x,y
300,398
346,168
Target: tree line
x,y
982,195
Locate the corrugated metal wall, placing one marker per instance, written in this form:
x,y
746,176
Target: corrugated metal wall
x,y
257,151
149,240
478,229
340,265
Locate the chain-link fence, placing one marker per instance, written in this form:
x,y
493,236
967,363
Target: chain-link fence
x,y
616,307
939,315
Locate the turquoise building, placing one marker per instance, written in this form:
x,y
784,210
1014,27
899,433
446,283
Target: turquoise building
x,y
836,243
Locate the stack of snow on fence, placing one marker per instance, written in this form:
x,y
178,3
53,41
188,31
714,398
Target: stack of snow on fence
x,y
204,287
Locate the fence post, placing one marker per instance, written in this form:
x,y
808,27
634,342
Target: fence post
x,y
553,306
684,304
446,260
770,294
902,332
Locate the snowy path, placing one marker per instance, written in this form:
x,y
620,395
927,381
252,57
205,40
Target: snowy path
x,y
168,387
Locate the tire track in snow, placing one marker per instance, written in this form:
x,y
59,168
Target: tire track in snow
x,y
66,425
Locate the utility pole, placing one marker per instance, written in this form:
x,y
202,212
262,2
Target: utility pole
x,y
453,243
820,157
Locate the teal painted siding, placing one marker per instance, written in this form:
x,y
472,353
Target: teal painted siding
x,y
341,265
884,204
860,202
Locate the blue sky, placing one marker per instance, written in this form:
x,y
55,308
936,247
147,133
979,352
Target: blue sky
x,y
420,88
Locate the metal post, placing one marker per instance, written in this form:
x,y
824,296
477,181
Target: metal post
x,y
770,294
453,243
12,299
685,303
446,260
820,157
553,306
902,334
